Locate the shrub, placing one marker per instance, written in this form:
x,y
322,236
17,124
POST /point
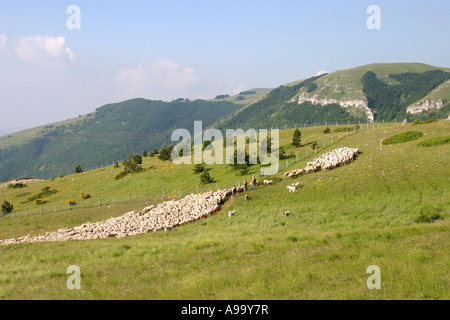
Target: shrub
x,y
85,196
344,129
434,141
71,202
7,207
44,192
417,121
327,130
198,168
426,214
16,186
205,178
40,201
314,145
78,169
403,137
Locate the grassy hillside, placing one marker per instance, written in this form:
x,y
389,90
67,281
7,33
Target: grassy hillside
x,y
346,84
342,221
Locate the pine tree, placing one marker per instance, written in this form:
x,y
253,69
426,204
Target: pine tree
x,y
78,169
297,138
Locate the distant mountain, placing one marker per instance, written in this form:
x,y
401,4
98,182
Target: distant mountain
x,y
374,92
389,92
102,137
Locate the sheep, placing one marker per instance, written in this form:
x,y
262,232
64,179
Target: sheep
x,y
231,213
327,161
286,213
291,188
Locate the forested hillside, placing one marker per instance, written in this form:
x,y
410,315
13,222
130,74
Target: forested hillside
x,y
107,135
389,101
278,109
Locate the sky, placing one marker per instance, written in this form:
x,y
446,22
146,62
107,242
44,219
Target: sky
x,y
57,63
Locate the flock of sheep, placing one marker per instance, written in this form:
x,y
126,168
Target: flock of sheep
x,y
326,161
173,213
164,216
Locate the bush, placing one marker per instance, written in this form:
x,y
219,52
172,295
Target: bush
x,y
344,129
85,196
44,192
198,168
327,130
205,178
403,137
426,214
78,169
314,145
16,186
72,202
40,201
417,122
434,141
7,207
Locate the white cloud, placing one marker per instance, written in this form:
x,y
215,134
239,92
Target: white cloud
x,y
321,72
167,80
44,50
3,42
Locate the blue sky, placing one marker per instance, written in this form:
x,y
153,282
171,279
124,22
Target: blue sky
x,y
194,49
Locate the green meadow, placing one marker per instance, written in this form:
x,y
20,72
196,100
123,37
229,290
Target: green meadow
x,y
390,208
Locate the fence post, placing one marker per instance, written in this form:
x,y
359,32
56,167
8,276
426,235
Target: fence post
x,y
164,197
14,214
55,207
99,202
339,136
146,198
69,208
83,203
315,149
297,157
181,196
129,196
114,200
26,213
2,214
287,163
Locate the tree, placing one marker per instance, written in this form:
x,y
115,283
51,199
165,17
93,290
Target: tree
x,y
327,130
198,168
165,153
205,178
297,138
78,169
145,154
7,207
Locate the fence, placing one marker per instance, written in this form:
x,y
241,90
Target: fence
x,y
178,194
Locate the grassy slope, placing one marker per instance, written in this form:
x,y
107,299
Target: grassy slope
x,y
342,221
346,84
249,98
21,137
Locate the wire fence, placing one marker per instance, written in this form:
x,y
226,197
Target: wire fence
x,y
143,197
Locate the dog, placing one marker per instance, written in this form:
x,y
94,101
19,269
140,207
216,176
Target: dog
x,y
246,196
231,213
286,213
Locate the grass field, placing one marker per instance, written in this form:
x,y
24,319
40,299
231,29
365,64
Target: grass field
x,y
342,221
